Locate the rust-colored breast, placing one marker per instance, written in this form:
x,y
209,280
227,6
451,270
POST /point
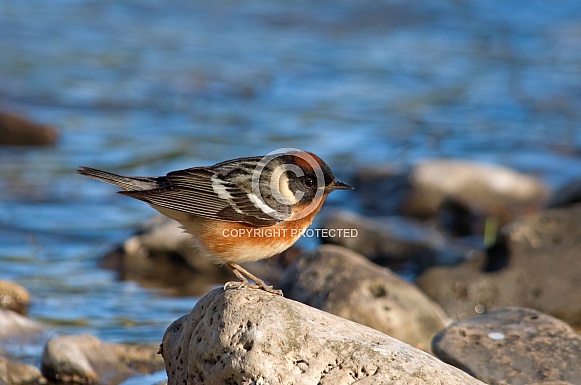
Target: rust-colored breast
x,y
238,242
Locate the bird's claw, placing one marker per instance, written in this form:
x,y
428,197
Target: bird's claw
x,y
241,285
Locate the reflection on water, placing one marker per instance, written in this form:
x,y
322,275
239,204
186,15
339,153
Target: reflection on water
x,y
144,88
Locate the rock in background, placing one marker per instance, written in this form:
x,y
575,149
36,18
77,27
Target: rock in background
x,y
342,282
162,255
541,270
16,373
394,242
512,346
18,332
437,212
19,131
84,359
248,336
14,297
485,190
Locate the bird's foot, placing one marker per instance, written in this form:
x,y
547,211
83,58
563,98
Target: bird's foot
x,y
270,289
242,284
243,275
237,285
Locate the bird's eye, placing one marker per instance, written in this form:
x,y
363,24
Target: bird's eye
x,y
309,182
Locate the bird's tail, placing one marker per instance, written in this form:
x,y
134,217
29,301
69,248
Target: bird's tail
x,y
125,182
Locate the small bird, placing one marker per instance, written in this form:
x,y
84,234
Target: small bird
x,y
239,210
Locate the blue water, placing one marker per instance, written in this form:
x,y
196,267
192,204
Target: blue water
x,y
145,87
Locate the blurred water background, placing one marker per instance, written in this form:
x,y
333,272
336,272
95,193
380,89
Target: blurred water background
x,y
145,87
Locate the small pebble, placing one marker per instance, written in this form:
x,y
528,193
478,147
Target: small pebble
x,y
496,336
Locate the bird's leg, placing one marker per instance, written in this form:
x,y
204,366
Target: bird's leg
x,y
242,283
242,274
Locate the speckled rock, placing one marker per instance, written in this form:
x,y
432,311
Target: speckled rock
x,y
14,297
511,345
342,282
84,359
248,336
538,267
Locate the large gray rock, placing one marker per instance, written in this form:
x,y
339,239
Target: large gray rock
x,y
85,359
515,346
541,270
342,282
248,336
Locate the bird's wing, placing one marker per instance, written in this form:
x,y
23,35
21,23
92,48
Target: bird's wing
x,y
200,191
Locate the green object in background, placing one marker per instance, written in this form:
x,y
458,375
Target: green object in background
x,y
490,231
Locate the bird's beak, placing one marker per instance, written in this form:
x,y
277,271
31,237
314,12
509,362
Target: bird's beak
x,y
336,185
